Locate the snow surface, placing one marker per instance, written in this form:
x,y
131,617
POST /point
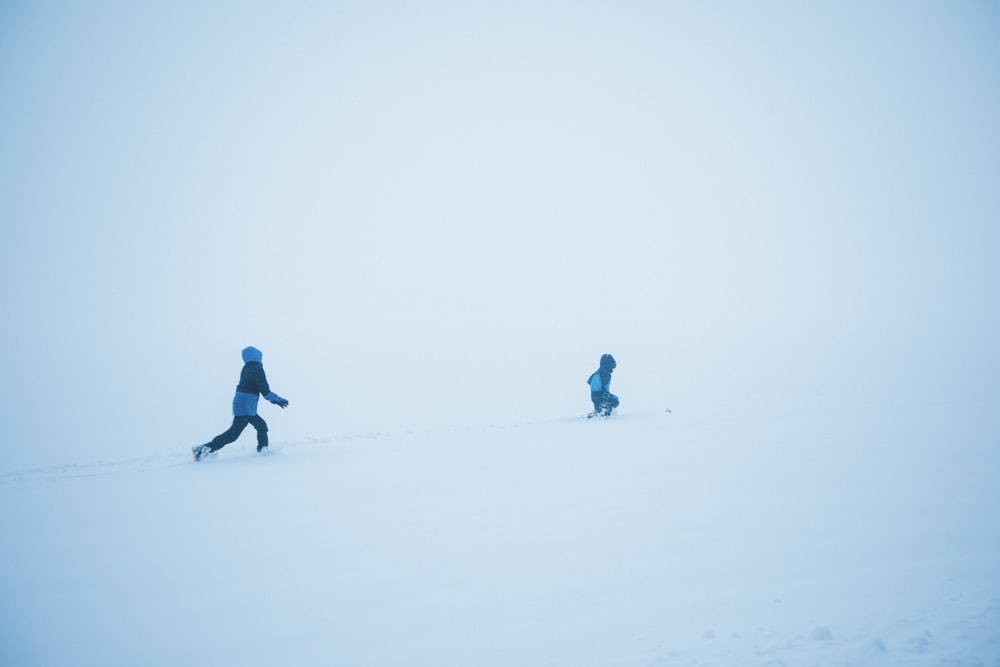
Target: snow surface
x,y
795,536
433,218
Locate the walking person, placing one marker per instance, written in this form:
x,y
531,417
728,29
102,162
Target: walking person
x,y
253,385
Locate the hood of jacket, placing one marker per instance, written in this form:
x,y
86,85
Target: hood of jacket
x,y
607,362
252,354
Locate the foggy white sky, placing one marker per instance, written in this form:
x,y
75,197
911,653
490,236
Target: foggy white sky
x,y
396,200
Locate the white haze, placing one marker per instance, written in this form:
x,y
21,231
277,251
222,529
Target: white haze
x,y
438,213
433,218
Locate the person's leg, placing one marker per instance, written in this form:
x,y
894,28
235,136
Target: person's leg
x,y
610,403
261,426
223,439
597,398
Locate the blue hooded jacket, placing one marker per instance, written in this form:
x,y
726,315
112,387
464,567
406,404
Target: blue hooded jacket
x,y
253,385
600,380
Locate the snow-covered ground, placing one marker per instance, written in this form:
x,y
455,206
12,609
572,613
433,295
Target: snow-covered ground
x,y
776,535
433,218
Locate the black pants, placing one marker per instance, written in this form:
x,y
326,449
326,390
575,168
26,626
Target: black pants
x,y
240,423
604,403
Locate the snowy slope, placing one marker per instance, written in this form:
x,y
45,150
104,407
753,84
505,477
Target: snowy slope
x,y
433,218
805,538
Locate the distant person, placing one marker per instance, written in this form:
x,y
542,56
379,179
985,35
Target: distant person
x,y
253,385
600,388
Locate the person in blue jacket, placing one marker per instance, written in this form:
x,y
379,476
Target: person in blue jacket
x,y
253,385
600,388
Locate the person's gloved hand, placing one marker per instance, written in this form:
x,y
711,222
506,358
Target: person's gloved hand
x,y
277,400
